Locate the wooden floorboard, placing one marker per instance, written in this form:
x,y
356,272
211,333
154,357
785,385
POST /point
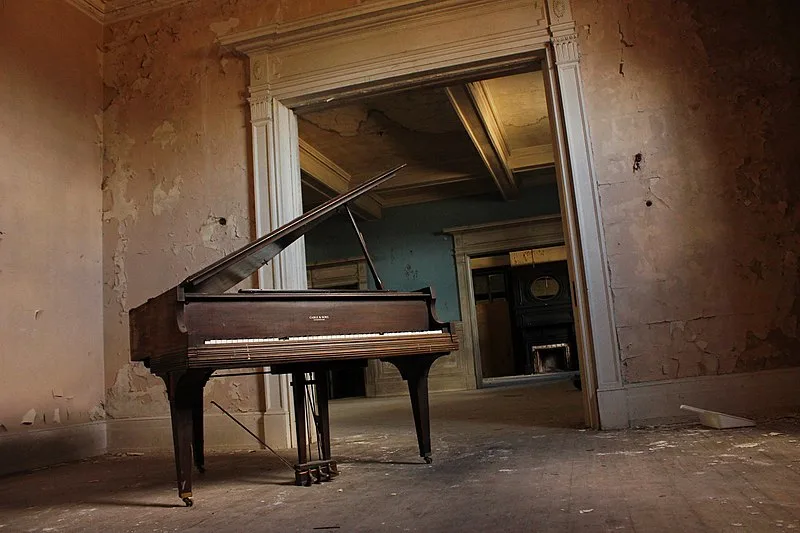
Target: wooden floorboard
x,y
505,459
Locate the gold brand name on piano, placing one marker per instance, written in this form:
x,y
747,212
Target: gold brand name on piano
x,y
319,318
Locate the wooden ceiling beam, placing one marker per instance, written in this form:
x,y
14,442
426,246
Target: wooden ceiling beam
x,y
329,179
471,104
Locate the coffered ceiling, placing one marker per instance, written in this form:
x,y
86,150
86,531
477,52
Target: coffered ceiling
x,y
480,137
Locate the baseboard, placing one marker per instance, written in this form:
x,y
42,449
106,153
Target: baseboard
x,y
765,393
36,448
155,433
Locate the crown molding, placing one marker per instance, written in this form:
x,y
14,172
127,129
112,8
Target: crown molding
x,y
108,11
95,9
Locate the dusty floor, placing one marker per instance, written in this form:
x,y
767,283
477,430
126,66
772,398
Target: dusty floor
x,y
505,459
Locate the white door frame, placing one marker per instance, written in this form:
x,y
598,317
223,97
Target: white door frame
x,y
395,44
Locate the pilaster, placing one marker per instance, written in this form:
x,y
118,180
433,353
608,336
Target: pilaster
x,y
564,41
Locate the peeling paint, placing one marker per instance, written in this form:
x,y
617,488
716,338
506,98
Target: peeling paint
x,y
164,134
136,392
120,281
166,200
116,205
222,28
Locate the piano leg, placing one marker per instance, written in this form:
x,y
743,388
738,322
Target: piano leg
x,y
184,389
299,397
415,371
198,446
321,379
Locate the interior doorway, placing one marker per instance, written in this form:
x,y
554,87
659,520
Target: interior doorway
x,y
469,163
525,321
390,47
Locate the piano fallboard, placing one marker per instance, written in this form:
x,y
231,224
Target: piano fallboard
x,y
256,328
297,313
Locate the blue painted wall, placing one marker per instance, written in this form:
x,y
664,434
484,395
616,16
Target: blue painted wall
x,y
407,245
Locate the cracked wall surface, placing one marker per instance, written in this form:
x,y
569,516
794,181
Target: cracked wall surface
x,y
701,227
177,180
51,352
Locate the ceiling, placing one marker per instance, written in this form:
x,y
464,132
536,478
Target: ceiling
x,y
480,137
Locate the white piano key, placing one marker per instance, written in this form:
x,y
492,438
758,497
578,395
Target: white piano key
x,y
323,337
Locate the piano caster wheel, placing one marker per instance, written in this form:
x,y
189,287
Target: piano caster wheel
x,y
201,469
188,501
428,459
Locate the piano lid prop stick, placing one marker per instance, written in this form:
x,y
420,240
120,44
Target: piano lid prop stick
x,y
264,444
378,282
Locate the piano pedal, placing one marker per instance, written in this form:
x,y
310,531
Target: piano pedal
x,y
315,472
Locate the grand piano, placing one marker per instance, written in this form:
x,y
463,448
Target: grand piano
x,y
198,327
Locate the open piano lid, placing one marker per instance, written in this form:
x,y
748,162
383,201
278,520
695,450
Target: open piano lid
x,y
236,266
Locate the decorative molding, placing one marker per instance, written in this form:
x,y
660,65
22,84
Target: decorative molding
x,y
95,9
259,109
559,11
498,237
566,48
364,18
382,44
109,11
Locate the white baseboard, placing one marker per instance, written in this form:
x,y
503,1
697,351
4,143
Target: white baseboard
x,y
763,393
155,433
26,450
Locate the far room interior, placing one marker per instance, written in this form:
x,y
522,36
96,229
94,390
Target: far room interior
x,y
480,159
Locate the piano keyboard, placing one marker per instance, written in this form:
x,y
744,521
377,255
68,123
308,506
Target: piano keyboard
x,y
355,336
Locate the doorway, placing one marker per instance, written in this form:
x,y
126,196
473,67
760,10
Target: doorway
x,y
525,322
387,46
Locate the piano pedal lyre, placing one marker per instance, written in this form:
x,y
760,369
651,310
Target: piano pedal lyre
x,y
307,474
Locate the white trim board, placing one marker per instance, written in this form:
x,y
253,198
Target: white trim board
x,y
21,451
752,394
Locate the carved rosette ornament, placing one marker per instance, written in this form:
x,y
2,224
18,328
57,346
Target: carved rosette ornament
x,y
566,48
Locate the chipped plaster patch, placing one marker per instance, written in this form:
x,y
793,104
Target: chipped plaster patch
x,y
115,185
214,234
165,134
166,200
140,84
221,28
120,284
135,392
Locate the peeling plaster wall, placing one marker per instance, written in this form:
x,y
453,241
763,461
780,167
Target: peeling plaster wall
x,y
177,185
51,358
701,227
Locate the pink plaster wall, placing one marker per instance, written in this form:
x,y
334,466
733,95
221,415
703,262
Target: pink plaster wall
x,y
705,279
51,331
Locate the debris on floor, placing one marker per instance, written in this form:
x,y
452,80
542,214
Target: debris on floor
x,y
718,420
